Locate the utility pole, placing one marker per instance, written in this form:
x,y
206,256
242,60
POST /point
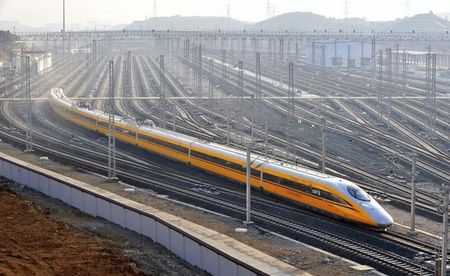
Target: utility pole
x,y
389,85
174,117
22,73
445,192
111,126
346,9
241,97
162,95
433,96
252,135
228,121
322,61
200,72
380,84
224,65
186,57
211,81
64,28
322,163
397,65
64,16
431,92
266,139
405,68
290,133
313,53
126,85
258,84
29,132
374,63
413,193
155,9
248,186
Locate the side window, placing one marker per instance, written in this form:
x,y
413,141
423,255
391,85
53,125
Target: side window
x,y
315,192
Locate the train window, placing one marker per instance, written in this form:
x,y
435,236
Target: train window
x,y
288,183
272,178
329,196
218,161
164,144
358,193
102,124
256,173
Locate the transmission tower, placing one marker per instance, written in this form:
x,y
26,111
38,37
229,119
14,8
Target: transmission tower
x,y
346,9
155,9
406,5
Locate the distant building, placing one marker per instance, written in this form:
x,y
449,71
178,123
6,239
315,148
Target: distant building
x,y
340,54
40,61
43,62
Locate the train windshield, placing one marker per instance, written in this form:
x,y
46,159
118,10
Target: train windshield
x,y
358,193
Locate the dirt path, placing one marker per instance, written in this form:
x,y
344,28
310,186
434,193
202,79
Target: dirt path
x,y
33,244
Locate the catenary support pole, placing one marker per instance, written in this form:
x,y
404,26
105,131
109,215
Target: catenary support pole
x,y
29,131
248,186
413,193
323,125
445,231
111,126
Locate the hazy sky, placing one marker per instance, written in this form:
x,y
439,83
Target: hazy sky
x,y
40,12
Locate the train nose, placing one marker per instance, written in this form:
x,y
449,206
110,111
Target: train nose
x,y
385,221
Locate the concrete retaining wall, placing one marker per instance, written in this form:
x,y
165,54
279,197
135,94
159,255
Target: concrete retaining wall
x,y
213,252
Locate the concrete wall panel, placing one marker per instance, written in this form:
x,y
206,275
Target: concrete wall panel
x,y
54,189
14,173
103,209
18,174
77,199
193,252
43,184
7,170
162,235
242,271
148,226
24,177
66,194
177,243
227,267
33,181
117,214
210,261
133,221
90,204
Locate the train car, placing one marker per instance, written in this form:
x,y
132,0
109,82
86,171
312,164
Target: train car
x,y
328,194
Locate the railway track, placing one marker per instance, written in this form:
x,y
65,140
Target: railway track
x,y
359,171
382,258
389,261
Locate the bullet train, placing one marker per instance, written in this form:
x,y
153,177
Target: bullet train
x,y
324,193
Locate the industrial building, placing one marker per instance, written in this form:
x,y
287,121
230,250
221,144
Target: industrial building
x,y
41,62
339,54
